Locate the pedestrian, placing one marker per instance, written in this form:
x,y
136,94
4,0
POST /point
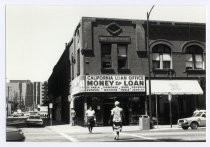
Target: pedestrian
x,y
73,116
117,118
90,117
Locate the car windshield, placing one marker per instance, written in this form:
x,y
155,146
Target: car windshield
x,y
34,117
197,114
32,113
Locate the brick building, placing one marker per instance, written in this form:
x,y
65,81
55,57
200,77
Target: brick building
x,y
107,60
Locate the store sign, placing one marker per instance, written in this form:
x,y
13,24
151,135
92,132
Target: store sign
x,y
115,39
115,83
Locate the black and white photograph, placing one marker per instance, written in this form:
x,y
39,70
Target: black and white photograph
x,y
116,73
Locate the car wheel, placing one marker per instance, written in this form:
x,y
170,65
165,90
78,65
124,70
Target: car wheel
x,y
185,127
194,125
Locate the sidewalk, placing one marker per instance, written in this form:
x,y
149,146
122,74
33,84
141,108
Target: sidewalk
x,y
67,128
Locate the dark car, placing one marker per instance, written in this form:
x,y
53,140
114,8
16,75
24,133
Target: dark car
x,y
34,120
14,134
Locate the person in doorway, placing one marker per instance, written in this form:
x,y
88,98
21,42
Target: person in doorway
x,y
90,117
117,118
73,116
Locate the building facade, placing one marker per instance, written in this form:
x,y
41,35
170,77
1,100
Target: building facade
x,y
107,60
23,94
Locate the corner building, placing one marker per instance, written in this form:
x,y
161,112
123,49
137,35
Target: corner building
x,y
107,60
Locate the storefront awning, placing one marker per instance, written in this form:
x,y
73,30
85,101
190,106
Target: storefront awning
x,y
175,87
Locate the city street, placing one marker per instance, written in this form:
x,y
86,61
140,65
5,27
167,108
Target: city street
x,y
137,65
67,133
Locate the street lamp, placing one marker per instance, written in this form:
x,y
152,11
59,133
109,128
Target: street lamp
x,y
148,52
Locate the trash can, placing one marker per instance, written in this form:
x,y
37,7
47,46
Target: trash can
x,y
144,122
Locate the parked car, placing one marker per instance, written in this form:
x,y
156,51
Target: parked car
x,y
34,120
17,114
27,114
14,134
197,120
33,113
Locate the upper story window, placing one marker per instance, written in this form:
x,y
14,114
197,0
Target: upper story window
x,y
194,58
122,56
161,57
106,61
78,35
78,62
72,66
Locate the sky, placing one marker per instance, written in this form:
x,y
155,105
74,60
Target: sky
x,y
36,34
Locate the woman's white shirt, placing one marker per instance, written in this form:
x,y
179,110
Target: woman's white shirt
x,y
90,113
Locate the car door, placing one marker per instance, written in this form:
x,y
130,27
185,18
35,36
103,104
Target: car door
x,y
203,120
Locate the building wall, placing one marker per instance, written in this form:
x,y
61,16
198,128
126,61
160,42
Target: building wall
x,y
87,60
29,92
37,93
58,87
171,33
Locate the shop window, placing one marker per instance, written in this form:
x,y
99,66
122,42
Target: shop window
x,y
194,58
161,57
122,56
106,62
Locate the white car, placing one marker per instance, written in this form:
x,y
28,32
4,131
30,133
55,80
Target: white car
x,y
197,120
34,120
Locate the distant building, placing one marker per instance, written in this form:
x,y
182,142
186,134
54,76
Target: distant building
x,y
45,98
23,94
107,60
37,93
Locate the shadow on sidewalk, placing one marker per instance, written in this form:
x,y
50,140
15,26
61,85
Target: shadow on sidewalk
x,y
54,123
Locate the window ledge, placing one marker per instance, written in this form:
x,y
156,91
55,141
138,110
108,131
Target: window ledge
x,y
107,70
123,70
157,70
197,71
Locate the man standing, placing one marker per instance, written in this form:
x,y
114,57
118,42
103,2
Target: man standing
x,y
73,117
117,115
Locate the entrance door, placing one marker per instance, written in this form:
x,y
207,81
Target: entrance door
x,y
107,113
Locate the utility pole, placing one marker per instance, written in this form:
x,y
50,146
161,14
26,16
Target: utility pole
x,y
148,52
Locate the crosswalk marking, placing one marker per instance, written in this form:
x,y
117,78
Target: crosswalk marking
x,y
138,136
68,137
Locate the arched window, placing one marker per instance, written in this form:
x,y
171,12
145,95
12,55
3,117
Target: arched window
x,y
194,57
161,57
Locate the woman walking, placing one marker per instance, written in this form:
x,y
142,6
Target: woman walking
x,y
90,117
117,115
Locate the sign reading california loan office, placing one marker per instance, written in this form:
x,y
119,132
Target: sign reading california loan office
x,y
115,83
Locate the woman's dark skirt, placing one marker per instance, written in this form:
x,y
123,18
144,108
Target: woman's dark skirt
x,y
90,121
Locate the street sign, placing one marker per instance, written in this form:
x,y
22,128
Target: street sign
x,y
169,96
50,105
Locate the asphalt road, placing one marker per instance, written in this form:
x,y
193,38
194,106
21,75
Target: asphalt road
x,y
46,134
42,134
